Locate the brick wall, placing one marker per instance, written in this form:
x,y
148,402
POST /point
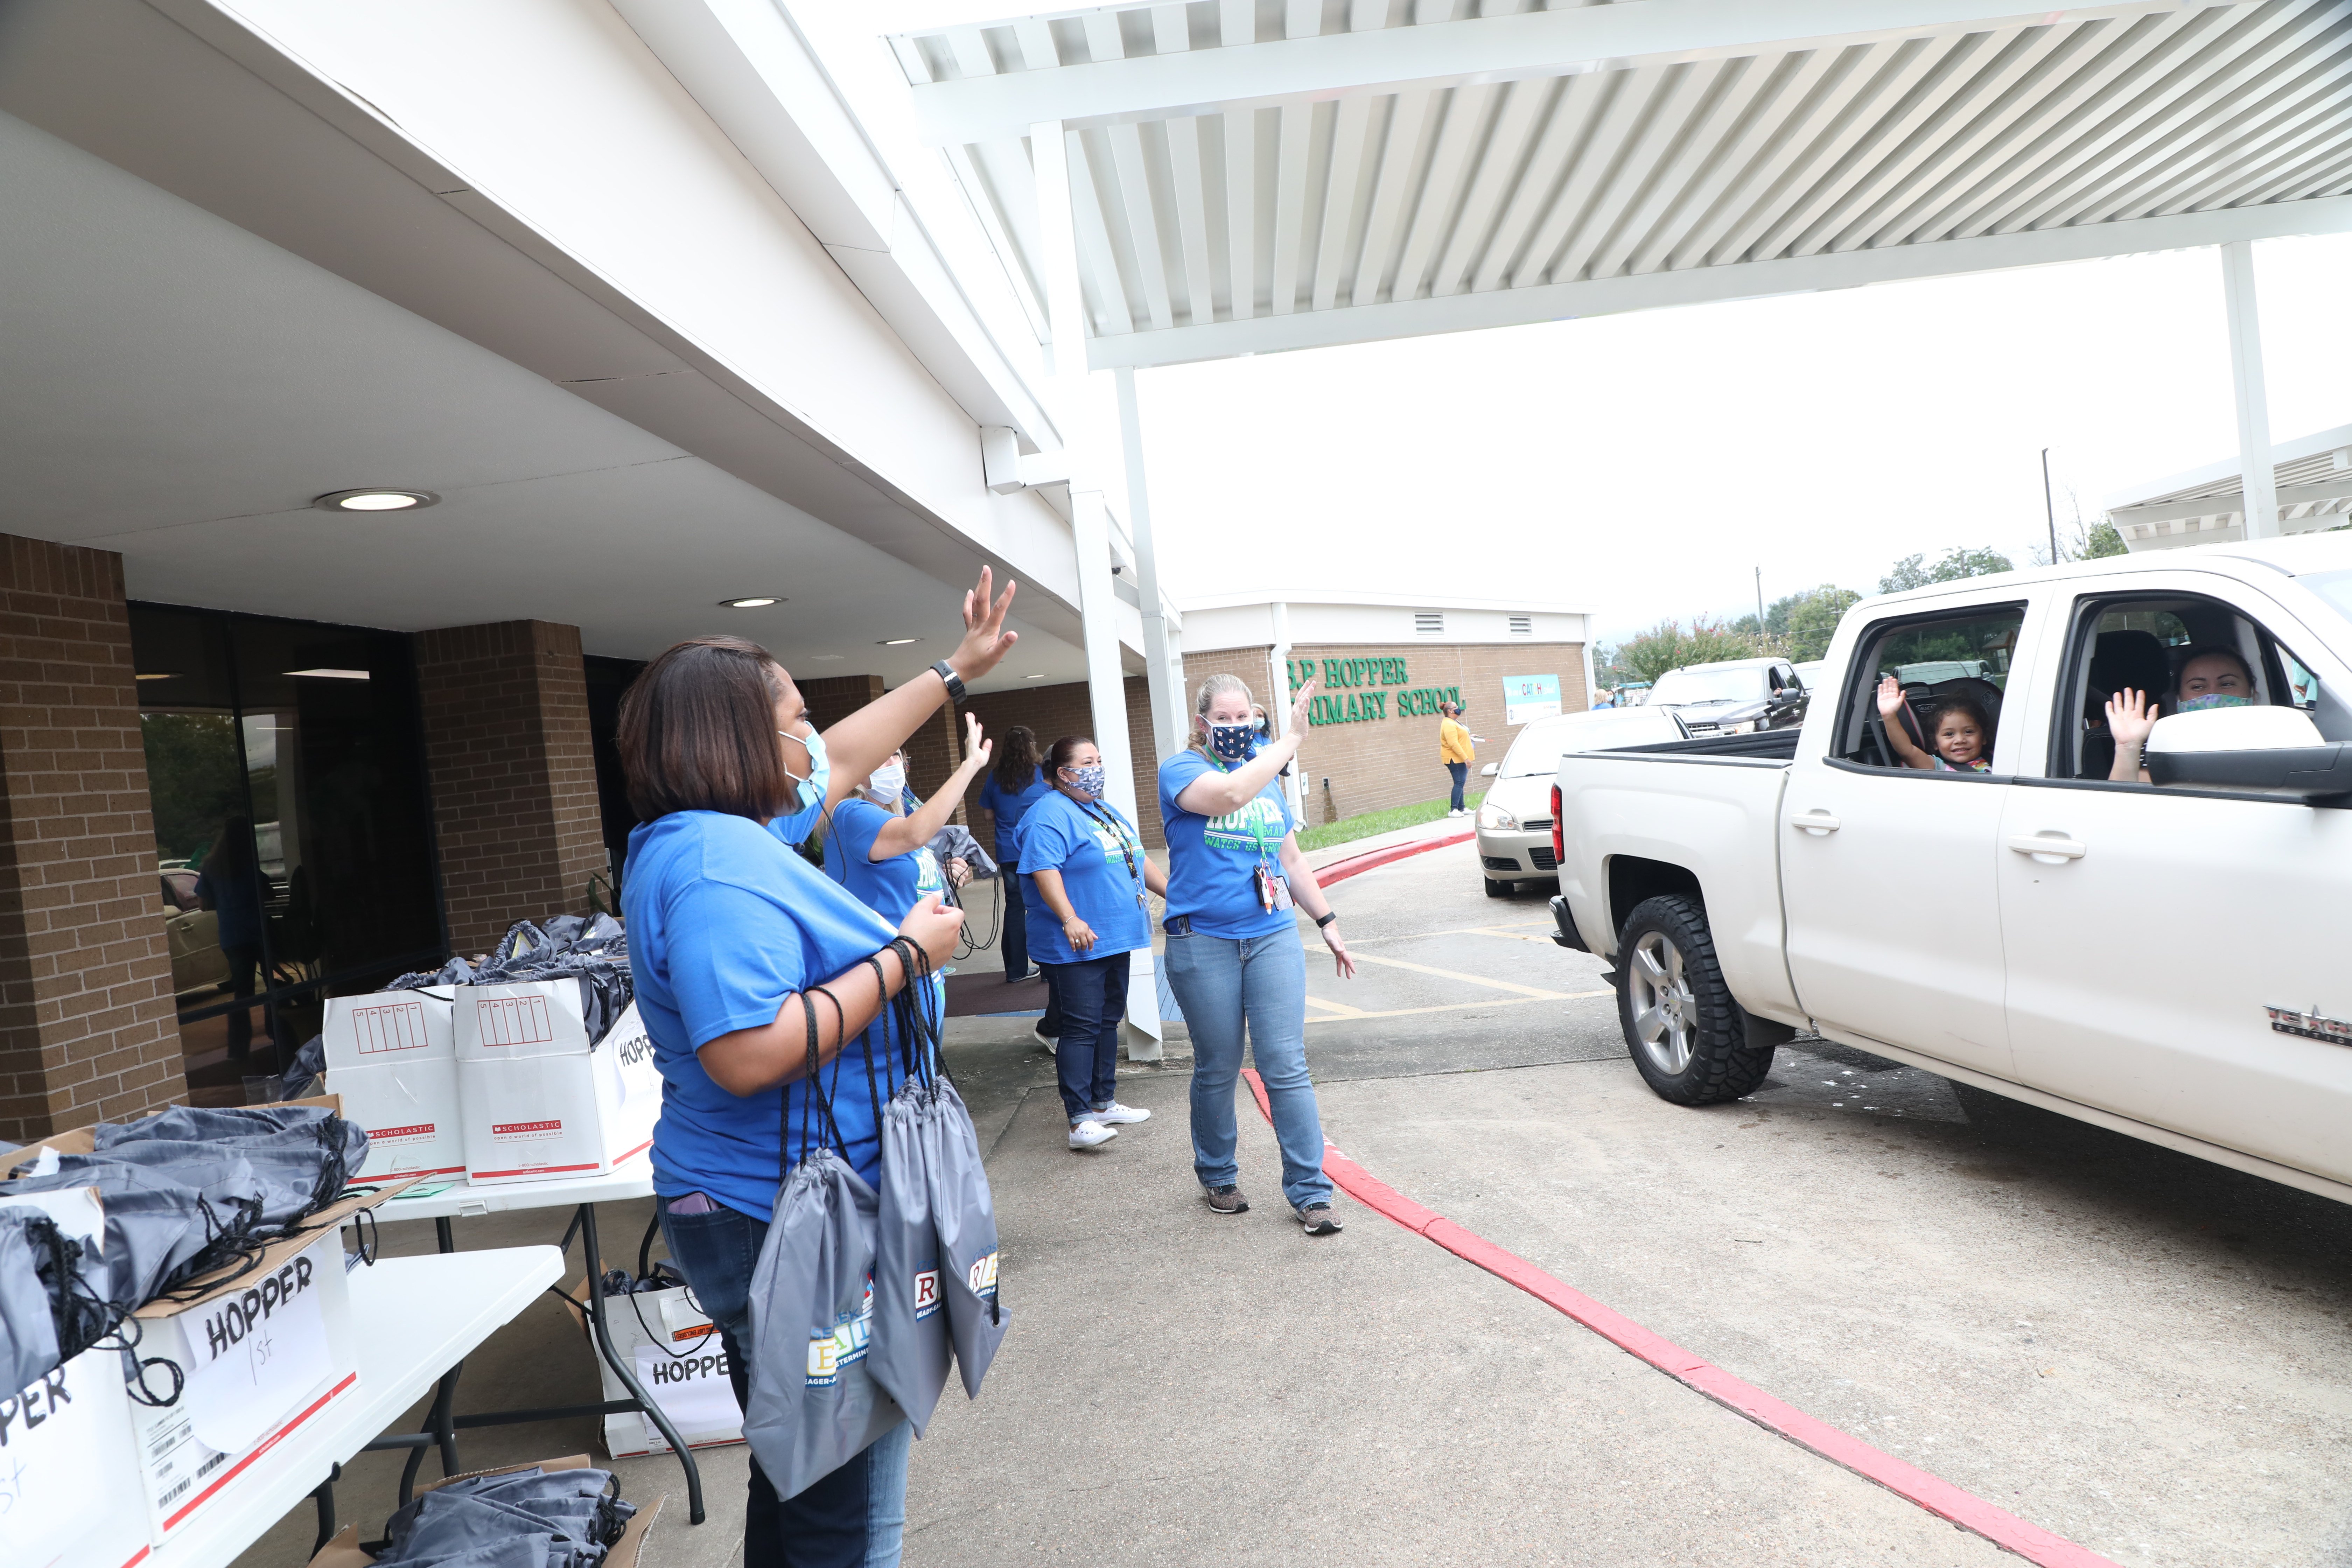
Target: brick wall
x,y
1392,760
513,773
1053,711
86,1029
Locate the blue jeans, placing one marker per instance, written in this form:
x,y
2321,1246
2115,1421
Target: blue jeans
x,y
1258,985
1460,772
1091,996
854,1518
1017,920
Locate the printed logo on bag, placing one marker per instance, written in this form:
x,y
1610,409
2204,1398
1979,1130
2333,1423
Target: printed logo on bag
x,y
982,1277
228,1321
509,1131
400,1134
845,1346
688,1369
927,1293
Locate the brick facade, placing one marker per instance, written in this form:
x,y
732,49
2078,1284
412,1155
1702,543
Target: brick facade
x,y
512,774
1053,711
86,1028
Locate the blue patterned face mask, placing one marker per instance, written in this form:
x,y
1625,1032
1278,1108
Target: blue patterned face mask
x,y
1232,742
2214,700
1089,780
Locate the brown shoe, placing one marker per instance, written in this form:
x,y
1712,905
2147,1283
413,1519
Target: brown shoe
x,y
1319,1220
1227,1200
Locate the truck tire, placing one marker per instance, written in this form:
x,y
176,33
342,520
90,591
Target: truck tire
x,y
1688,1038
1497,889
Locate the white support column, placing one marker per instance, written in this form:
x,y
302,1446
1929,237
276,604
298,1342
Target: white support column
x,y
1078,413
2253,402
1167,697
1589,693
1283,698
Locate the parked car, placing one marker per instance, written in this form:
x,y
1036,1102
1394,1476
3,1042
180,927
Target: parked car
x,y
191,935
2034,930
1734,697
1514,825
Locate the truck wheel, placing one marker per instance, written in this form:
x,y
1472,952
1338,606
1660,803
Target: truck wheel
x,y
1497,889
1687,1037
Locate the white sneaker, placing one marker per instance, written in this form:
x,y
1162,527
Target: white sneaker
x,y
1042,1038
1090,1134
1122,1115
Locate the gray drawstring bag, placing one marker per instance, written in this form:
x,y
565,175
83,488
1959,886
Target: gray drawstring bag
x,y
814,1403
28,1323
910,1346
963,1219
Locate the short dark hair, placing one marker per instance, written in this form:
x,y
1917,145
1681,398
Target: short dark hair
x,y
697,731
2188,655
1058,755
1967,706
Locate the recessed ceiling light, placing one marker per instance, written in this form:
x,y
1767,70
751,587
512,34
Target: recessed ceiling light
x,y
333,674
375,500
755,602
157,675
1033,677
899,642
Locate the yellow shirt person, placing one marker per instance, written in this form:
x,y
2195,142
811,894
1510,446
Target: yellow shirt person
x,y
1458,748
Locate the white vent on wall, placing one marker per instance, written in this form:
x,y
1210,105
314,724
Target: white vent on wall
x,y
1428,624
1523,625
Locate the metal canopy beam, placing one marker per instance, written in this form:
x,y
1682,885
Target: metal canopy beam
x,y
1438,55
1741,280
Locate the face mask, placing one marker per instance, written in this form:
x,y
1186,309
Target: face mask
x,y
795,826
1259,727
1232,742
888,782
2214,700
1089,779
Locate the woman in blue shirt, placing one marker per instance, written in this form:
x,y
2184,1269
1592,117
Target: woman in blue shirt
x,y
729,931
1234,871
1017,784
1088,871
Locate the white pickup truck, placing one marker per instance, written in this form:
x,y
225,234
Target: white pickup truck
x,y
2170,958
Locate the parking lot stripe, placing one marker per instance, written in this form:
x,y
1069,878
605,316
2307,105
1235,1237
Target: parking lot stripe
x,y
1938,1496
1535,991
1352,1017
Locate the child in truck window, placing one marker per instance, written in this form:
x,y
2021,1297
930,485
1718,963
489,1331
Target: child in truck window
x,y
1957,726
2210,678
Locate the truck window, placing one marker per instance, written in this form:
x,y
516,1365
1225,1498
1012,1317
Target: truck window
x,y
1934,660
2139,644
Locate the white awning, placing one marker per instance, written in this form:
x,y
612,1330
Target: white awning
x,y
2207,505
1256,175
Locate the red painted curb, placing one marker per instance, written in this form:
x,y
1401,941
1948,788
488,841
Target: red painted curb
x,y
1935,1495
1372,859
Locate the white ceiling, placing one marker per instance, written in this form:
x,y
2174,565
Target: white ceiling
x,y
176,389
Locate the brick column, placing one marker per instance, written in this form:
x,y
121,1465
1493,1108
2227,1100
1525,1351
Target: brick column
x,y
512,773
86,1028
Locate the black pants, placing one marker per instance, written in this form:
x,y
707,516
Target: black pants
x,y
244,960
1460,772
1092,996
1016,923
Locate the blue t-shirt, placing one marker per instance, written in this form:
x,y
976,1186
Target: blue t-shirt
x,y
1209,859
1010,809
889,887
724,923
1092,854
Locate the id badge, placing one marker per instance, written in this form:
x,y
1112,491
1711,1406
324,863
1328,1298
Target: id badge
x,y
1273,890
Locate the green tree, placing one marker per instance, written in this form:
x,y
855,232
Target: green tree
x,y
193,782
1670,646
2100,541
1913,571
1810,619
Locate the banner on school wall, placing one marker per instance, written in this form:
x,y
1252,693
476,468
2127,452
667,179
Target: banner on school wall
x,y
1529,697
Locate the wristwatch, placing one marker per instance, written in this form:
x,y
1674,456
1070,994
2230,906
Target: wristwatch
x,y
1324,919
955,682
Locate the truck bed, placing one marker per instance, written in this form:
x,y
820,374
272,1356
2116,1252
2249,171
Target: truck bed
x,y
1771,746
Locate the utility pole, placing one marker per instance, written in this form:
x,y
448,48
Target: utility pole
x,y
2048,507
1759,601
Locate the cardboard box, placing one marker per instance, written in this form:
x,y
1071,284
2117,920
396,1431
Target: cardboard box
x,y
392,1056
65,1443
536,1100
679,1362
343,1550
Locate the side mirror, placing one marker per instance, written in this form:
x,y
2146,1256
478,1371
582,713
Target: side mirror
x,y
2274,751
1489,770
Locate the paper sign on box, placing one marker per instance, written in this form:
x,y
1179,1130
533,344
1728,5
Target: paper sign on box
x,y
59,1439
537,1101
393,1057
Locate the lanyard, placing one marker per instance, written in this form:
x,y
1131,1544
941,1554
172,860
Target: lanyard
x,y
1125,851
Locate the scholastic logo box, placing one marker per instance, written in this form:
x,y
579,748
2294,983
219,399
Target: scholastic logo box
x,y
539,1099
393,1057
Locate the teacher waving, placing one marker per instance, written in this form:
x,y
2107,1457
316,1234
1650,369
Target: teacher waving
x,y
1234,873
730,933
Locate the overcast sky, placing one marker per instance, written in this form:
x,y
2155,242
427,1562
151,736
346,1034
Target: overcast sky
x,y
1644,464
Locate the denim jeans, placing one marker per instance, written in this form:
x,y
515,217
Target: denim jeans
x,y
1091,995
1258,985
1017,920
854,1518
1460,772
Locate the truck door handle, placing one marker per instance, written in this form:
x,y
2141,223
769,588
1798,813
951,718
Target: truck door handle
x,y
1815,821
2049,848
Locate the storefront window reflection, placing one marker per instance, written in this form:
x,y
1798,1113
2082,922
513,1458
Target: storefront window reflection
x,y
284,768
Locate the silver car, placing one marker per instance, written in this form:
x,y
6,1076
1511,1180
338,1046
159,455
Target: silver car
x,y
1514,825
